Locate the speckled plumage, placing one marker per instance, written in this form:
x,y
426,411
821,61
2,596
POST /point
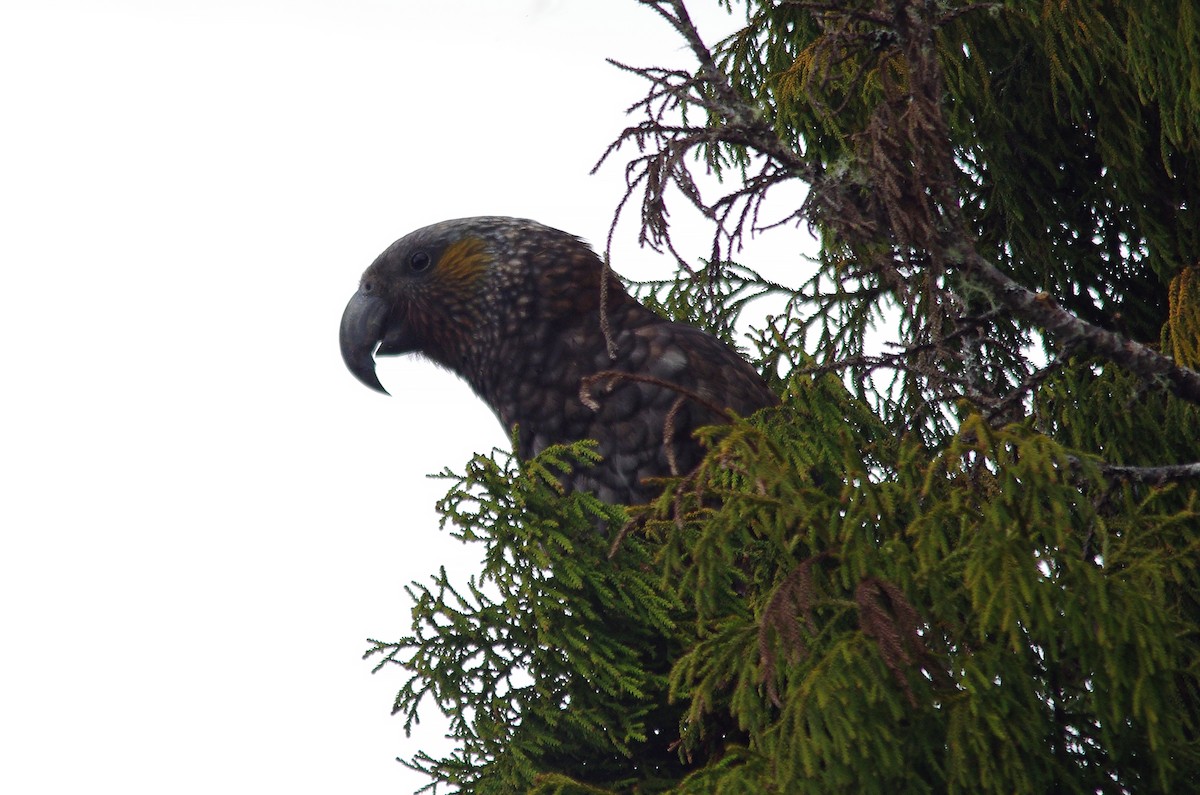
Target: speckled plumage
x,y
513,307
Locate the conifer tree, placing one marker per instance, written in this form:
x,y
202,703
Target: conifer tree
x,y
969,563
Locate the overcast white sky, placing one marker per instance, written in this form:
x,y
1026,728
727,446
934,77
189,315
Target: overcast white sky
x,y
203,514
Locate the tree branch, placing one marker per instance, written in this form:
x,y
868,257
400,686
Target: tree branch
x,y
1072,332
1151,476
918,212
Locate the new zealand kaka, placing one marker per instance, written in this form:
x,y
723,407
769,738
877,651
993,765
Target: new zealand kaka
x,y
514,308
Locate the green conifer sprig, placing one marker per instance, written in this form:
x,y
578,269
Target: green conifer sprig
x,y
978,576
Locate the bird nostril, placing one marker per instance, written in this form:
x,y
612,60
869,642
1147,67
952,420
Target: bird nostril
x,y
367,287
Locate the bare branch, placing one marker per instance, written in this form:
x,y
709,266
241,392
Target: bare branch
x,y
1155,476
909,201
610,377
1071,331
1150,476
741,124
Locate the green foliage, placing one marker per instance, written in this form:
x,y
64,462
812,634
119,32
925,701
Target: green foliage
x,y
546,660
973,582
1076,126
1107,412
844,610
713,298
829,607
1017,579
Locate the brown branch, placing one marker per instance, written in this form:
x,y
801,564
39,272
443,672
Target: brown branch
x,y
887,617
1150,476
742,124
735,109
912,200
588,383
1039,309
792,601
1070,331
1028,384
668,432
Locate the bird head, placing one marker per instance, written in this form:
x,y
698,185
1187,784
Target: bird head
x,y
451,290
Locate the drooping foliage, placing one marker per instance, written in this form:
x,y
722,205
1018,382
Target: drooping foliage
x,y
1073,125
967,563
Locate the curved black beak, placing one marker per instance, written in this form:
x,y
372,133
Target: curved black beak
x,y
362,329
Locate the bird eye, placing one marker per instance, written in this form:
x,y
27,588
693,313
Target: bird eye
x,y
419,261
367,287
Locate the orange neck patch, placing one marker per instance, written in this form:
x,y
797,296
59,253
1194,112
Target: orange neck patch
x,y
463,262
